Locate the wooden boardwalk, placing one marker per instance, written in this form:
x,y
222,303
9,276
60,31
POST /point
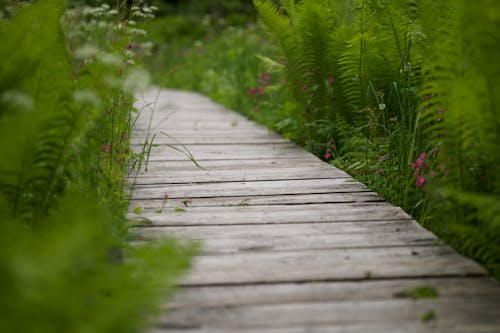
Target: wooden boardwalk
x,y
291,244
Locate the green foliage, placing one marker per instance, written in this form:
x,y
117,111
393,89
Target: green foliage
x,y
33,171
417,293
409,83
65,119
461,119
65,275
428,316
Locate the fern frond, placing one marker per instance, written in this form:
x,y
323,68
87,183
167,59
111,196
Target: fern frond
x,y
277,24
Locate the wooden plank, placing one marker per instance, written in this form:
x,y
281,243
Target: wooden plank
x,y
200,133
452,312
253,294
222,124
277,214
213,232
230,164
166,153
307,243
259,241
327,265
208,140
207,176
280,187
441,326
152,205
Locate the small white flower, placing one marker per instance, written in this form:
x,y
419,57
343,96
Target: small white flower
x,y
19,99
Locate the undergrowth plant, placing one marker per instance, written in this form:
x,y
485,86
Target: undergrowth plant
x,y
412,110
461,122
65,119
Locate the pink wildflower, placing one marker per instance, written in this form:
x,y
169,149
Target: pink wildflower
x,y
328,155
420,182
331,79
266,78
304,87
377,172
106,149
165,196
432,174
252,91
440,111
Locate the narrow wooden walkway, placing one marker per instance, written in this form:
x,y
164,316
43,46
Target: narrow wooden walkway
x,y
291,244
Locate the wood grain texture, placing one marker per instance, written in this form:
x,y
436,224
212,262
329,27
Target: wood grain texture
x,y
452,312
231,189
277,214
208,176
151,205
337,291
289,244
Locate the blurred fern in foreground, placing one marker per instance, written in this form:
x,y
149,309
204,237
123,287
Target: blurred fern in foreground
x,y
65,120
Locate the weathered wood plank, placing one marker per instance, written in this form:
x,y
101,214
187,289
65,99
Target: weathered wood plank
x,y
273,242
212,152
339,185
449,311
196,126
200,133
231,165
441,326
152,205
277,214
328,265
209,140
214,232
253,294
204,176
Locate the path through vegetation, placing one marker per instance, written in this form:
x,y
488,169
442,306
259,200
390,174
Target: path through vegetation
x,y
289,243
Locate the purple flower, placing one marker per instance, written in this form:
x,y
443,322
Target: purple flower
x,y
266,78
420,182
